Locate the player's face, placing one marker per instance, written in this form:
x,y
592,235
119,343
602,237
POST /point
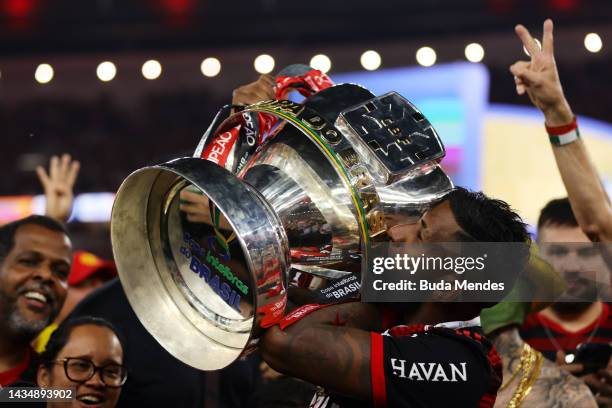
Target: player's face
x,y
436,225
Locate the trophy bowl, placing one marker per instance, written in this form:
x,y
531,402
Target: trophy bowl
x,y
196,286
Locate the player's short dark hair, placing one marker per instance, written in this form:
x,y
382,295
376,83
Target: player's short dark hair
x,y
485,219
60,337
557,212
8,231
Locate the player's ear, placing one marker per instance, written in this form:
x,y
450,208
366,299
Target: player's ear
x,y
43,376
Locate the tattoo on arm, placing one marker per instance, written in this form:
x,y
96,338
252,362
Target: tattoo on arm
x,y
335,357
330,347
353,314
561,390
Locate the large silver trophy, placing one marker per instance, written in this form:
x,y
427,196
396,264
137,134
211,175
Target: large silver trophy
x,y
206,254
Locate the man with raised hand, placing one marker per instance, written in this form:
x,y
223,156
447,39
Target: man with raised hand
x,y
539,78
589,201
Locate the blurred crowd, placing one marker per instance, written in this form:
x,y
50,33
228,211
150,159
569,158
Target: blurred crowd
x,y
65,320
162,127
167,125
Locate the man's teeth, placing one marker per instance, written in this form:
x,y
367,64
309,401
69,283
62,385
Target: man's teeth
x,y
36,296
90,399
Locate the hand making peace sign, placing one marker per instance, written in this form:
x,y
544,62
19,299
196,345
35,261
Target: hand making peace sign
x,y
539,77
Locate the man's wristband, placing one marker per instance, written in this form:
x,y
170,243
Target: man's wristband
x,y
562,135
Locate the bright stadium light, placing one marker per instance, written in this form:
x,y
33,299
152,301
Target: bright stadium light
x,y
151,69
321,62
474,52
426,56
210,67
264,64
370,60
44,73
593,42
106,71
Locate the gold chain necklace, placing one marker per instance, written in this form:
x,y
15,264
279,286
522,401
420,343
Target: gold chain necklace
x,y
529,364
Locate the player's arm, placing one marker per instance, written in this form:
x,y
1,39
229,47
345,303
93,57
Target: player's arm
x,y
329,347
539,78
587,196
260,90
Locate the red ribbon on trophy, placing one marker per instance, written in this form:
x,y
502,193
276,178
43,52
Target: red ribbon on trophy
x,y
231,149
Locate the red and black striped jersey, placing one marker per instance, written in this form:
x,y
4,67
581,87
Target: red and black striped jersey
x,y
428,366
548,337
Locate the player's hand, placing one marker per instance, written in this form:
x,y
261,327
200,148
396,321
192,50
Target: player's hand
x,y
600,384
197,209
539,77
58,186
260,90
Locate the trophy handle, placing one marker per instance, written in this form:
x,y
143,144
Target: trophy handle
x,y
300,77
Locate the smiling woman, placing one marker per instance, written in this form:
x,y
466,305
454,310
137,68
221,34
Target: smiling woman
x,y
87,354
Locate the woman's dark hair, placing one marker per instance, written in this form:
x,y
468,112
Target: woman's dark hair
x,y
60,337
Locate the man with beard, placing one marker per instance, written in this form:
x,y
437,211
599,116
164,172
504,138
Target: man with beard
x,y
35,256
591,210
578,316
550,386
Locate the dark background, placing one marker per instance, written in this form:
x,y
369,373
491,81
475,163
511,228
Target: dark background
x,y
114,128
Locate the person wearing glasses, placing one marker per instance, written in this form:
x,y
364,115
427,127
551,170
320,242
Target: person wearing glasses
x,y
86,354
